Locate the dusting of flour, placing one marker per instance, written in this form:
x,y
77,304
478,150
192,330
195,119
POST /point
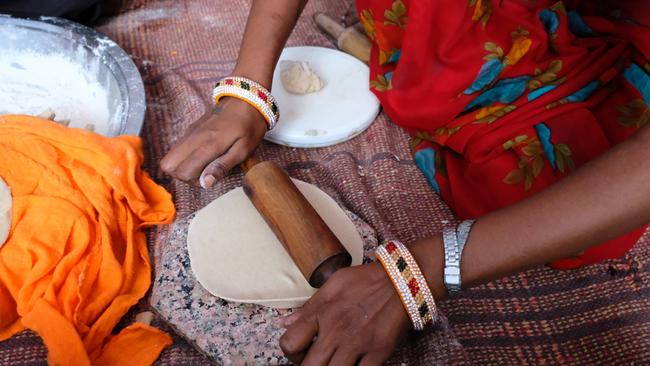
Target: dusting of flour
x,y
31,83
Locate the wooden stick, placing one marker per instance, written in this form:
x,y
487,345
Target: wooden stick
x,y
348,40
309,241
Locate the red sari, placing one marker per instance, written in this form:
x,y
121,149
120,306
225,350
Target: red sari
x,y
505,97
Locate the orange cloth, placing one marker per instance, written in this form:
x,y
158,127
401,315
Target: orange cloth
x,y
76,259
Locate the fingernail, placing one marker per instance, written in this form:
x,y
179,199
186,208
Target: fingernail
x,y
210,180
207,181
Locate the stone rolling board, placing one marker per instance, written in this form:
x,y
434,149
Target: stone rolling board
x,y
229,333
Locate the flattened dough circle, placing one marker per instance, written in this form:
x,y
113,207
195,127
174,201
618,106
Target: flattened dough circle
x,y
5,211
235,255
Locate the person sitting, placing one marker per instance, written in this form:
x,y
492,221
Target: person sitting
x,y
528,118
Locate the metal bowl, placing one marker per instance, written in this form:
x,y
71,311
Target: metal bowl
x,y
116,72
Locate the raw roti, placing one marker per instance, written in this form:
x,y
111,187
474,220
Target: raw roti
x,y
235,255
5,211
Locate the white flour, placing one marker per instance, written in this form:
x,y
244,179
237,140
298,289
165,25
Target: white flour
x,y
30,83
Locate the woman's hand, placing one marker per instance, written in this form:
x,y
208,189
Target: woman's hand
x,y
220,140
216,143
355,318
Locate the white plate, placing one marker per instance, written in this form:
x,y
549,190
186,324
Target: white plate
x,y
344,108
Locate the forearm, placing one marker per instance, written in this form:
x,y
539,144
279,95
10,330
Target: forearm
x,y
269,25
600,201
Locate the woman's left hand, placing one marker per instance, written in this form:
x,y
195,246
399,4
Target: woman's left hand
x,y
356,318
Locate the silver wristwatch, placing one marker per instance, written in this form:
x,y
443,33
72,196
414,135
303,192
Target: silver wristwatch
x,y
454,243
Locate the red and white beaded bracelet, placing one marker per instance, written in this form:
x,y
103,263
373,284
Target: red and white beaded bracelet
x,y
409,283
250,92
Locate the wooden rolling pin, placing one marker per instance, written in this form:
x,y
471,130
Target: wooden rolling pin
x,y
348,40
309,241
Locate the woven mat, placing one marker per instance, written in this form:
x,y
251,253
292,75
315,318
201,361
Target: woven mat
x,y
594,315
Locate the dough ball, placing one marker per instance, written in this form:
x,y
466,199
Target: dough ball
x,y
299,78
5,211
235,255
47,114
145,317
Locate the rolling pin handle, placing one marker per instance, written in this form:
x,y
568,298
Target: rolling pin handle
x,y
310,243
328,25
249,163
348,40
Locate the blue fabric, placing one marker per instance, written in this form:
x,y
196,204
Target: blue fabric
x,y
425,159
578,26
540,91
584,93
544,134
640,80
505,91
389,76
489,72
550,20
395,56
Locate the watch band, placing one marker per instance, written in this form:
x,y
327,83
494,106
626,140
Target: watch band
x,y
452,260
462,233
454,242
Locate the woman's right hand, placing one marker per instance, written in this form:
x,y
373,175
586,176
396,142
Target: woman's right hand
x,y
216,143
220,140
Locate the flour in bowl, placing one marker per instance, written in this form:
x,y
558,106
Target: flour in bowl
x,y
31,83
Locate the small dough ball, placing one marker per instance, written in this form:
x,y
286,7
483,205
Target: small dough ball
x,y
145,317
5,211
299,78
47,114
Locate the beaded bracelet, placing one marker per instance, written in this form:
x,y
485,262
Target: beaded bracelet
x,y
427,305
250,92
409,283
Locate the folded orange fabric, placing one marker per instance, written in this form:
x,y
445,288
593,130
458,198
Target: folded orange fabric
x,y
76,259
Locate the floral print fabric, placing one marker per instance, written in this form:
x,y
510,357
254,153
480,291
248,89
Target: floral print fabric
x,y
505,97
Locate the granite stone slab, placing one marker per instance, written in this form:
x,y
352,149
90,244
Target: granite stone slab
x,y
230,333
